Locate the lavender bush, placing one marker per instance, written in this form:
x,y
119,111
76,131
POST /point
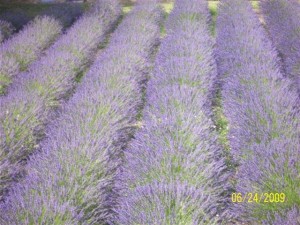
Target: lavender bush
x,y
282,18
25,47
173,171
6,29
31,99
261,107
70,180
290,217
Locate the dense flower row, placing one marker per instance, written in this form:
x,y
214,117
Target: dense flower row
x,y
25,47
70,180
6,29
261,107
173,171
27,108
283,22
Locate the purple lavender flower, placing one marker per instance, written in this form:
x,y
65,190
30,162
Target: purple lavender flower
x,y
173,170
261,107
25,47
70,180
282,19
287,217
166,203
28,107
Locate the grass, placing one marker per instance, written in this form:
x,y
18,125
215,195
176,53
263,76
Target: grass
x,y
127,9
168,7
213,8
222,128
255,5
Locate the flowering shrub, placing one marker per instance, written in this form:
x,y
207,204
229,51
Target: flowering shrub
x,y
28,107
173,171
261,107
282,19
286,217
25,47
70,180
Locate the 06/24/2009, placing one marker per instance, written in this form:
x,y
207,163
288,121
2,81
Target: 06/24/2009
x,y
258,197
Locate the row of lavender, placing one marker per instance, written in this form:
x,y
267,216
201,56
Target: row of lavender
x,y
262,108
27,108
6,29
22,49
283,22
71,180
173,171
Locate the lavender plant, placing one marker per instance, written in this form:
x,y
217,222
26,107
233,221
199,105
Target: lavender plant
x,y
22,49
282,20
70,180
173,171
26,110
261,107
290,217
6,29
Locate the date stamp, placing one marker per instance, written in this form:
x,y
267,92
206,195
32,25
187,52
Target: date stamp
x,y
258,197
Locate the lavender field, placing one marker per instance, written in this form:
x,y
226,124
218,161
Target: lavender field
x,y
183,112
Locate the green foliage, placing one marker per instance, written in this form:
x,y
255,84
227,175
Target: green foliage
x,y
4,82
213,8
222,128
